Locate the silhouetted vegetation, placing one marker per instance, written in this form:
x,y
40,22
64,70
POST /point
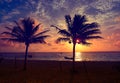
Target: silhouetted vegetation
x,y
25,32
78,31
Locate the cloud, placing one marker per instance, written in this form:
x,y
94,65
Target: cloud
x,y
92,11
117,32
6,24
49,44
16,9
103,5
117,19
11,15
4,44
57,4
114,35
113,38
116,7
117,43
98,7
14,12
111,28
47,12
53,10
102,11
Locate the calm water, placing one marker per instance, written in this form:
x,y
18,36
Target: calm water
x,y
86,56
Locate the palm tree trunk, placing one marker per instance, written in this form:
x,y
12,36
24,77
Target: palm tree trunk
x,y
25,61
73,66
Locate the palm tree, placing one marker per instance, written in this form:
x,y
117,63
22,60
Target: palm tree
x,y
25,32
78,31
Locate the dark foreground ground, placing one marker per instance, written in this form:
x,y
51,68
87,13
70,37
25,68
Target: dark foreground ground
x,y
59,72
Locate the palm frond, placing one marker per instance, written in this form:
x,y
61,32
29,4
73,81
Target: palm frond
x,y
13,40
25,32
11,34
69,22
4,38
83,18
78,28
68,19
85,42
16,30
18,27
16,23
40,39
78,22
64,33
8,28
55,27
93,37
60,39
35,29
88,26
14,37
39,34
28,26
91,32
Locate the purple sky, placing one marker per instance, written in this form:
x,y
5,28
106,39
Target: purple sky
x,y
47,12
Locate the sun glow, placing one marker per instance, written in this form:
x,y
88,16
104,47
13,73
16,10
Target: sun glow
x,y
78,41
79,47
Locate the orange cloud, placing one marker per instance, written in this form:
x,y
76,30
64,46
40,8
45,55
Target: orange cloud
x,y
117,43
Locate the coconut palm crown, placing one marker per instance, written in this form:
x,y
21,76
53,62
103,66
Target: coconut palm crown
x,y
25,32
78,31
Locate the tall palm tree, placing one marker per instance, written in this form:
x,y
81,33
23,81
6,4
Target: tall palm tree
x,y
25,32
78,31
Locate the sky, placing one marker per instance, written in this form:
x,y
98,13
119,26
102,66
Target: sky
x,y
51,12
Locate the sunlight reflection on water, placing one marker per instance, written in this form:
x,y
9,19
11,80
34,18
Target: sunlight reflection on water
x,y
78,56
84,56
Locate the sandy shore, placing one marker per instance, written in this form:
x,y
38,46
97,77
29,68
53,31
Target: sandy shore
x,y
59,72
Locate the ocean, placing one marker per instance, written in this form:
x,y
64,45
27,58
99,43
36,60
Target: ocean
x,y
65,56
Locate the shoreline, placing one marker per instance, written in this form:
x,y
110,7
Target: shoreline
x,y
60,72
92,56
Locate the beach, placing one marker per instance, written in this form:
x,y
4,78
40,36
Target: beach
x,y
44,71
